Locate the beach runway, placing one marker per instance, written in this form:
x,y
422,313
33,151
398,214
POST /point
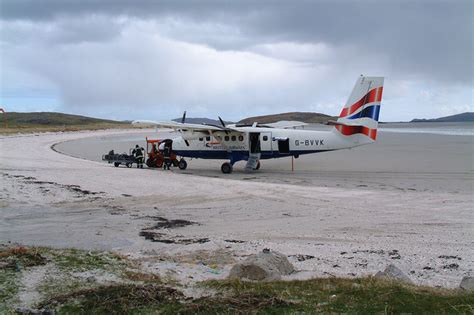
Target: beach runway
x,y
406,200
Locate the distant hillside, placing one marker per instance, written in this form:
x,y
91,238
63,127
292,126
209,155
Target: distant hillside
x,y
53,119
306,117
203,121
50,121
468,116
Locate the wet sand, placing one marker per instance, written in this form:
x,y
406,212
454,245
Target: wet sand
x,y
405,200
402,161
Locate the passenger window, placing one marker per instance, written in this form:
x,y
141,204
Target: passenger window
x,y
226,138
233,138
208,138
200,139
265,138
241,138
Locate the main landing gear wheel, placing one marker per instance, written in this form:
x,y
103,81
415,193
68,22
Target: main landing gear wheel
x,y
182,164
226,168
258,166
116,164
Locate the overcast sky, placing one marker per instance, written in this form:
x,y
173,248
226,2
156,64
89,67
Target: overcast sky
x,y
129,59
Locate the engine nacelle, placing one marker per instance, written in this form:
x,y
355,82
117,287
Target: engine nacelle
x,y
192,135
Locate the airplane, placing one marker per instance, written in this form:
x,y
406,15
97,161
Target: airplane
x,y
356,126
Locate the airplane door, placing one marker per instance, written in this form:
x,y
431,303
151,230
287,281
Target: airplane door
x,y
254,142
266,141
284,146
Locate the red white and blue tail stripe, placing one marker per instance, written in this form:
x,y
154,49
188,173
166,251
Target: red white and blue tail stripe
x,y
360,115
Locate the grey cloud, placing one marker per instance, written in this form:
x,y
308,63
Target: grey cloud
x,y
105,56
427,40
72,31
431,40
49,9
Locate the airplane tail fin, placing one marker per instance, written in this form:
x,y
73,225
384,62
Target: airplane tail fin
x,y
360,115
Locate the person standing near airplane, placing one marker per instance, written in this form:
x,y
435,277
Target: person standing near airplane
x,y
167,157
166,152
138,153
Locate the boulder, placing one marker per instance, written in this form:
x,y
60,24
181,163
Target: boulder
x,y
393,273
264,266
467,283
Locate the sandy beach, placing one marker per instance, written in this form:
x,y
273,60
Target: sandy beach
x,y
405,200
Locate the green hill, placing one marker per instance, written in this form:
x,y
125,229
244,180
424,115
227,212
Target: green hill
x,y
50,121
468,116
307,117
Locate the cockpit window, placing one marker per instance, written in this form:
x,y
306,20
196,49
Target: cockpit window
x,y
208,138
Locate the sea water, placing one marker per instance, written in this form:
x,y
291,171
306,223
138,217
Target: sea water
x,y
439,128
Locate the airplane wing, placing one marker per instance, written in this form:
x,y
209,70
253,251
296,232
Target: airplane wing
x,y
183,126
286,124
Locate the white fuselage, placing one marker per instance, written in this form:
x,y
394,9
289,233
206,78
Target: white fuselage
x,y
274,143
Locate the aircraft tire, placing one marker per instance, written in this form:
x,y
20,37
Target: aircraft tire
x,y
182,164
116,164
226,168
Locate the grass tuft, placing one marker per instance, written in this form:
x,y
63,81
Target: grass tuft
x,y
13,260
20,257
79,260
113,299
244,303
364,295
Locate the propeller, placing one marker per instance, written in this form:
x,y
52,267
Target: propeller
x,y
223,124
183,119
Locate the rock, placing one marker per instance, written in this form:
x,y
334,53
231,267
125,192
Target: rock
x,y
467,283
266,265
392,272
